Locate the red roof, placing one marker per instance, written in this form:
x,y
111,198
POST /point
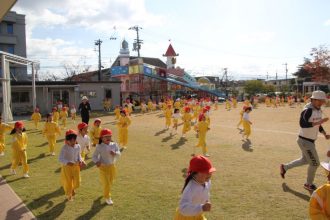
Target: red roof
x,y
170,52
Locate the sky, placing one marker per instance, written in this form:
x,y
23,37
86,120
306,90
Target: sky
x,y
252,39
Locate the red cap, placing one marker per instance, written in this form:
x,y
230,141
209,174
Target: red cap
x,y
201,117
201,164
205,110
105,132
19,124
186,109
208,107
68,132
82,125
97,120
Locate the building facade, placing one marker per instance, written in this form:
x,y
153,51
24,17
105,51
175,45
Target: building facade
x,y
13,40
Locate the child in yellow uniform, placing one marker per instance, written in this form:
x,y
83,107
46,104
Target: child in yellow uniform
x,y
83,140
202,128
94,133
64,116
228,105
241,117
105,156
150,105
186,118
36,117
319,204
168,117
117,112
51,130
176,117
19,145
234,100
71,161
216,102
3,129
246,122
123,123
73,113
56,115
195,198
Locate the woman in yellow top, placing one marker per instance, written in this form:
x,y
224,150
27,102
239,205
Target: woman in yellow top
x,y
19,149
117,112
36,117
51,130
63,116
94,133
56,115
168,117
123,123
202,128
319,204
186,118
3,129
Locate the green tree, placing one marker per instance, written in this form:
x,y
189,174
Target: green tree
x,y
253,87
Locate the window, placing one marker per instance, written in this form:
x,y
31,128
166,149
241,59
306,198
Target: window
x,y
11,48
20,97
10,28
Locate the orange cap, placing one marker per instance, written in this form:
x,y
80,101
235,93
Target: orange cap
x,y
105,132
68,132
201,164
82,125
19,124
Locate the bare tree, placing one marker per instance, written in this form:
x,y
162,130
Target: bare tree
x,y
71,69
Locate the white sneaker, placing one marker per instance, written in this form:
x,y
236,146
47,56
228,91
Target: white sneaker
x,y
26,175
2,154
109,201
206,155
12,171
53,154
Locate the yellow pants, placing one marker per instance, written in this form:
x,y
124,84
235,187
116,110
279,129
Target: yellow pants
x,y
2,145
19,156
70,178
247,128
107,176
202,142
83,155
64,122
36,123
51,142
168,122
96,140
179,216
123,136
186,127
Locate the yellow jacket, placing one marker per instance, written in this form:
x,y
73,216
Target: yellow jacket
x,y
177,105
19,141
36,116
202,127
319,204
168,113
4,128
124,122
95,132
186,117
51,128
63,114
56,116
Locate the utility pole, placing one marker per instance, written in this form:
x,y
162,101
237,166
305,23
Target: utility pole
x,y
98,43
267,76
225,75
276,81
137,42
286,75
